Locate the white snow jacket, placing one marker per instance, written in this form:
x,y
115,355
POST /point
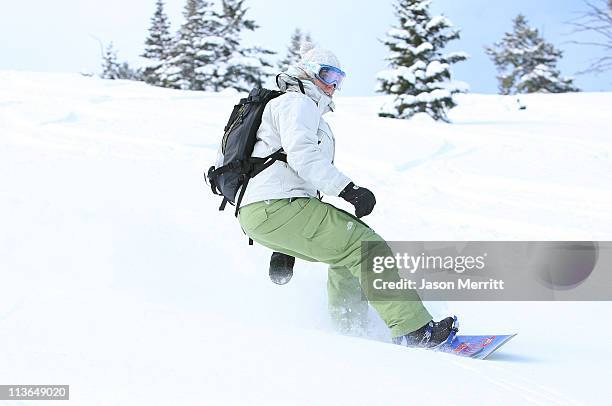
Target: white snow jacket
x,y
294,122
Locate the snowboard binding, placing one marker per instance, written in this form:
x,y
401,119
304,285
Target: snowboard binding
x,y
451,337
431,336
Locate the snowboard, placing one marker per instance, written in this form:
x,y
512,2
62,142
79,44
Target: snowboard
x,y
478,347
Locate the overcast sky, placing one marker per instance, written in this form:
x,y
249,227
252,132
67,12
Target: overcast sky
x,y
60,35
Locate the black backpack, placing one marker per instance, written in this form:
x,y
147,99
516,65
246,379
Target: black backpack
x,y
237,144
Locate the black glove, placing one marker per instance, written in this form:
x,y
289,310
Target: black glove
x,y
360,197
281,268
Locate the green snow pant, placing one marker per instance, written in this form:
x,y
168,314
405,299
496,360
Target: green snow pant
x,y
314,231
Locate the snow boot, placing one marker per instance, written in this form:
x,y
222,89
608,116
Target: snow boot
x,y
431,335
281,268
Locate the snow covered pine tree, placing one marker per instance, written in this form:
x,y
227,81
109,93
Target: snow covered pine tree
x,y
111,69
419,72
110,66
236,66
293,50
196,48
158,47
527,63
208,54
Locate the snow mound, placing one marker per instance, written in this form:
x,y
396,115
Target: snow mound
x,y
121,278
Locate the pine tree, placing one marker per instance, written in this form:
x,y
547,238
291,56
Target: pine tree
x,y
419,72
110,66
112,69
236,66
293,50
252,67
231,21
196,48
527,63
128,73
158,47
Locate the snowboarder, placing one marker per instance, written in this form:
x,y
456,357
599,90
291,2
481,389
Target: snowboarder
x,y
280,208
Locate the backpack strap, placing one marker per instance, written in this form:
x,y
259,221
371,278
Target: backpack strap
x,y
214,173
245,183
261,164
258,165
300,84
211,177
223,204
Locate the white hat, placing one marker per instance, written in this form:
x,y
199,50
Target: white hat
x,y
313,54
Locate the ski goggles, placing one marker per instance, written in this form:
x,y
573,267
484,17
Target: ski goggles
x,y
330,75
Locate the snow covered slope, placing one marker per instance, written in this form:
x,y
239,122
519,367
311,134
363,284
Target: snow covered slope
x,y
119,277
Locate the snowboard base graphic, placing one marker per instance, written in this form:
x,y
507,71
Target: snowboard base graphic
x,y
478,347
